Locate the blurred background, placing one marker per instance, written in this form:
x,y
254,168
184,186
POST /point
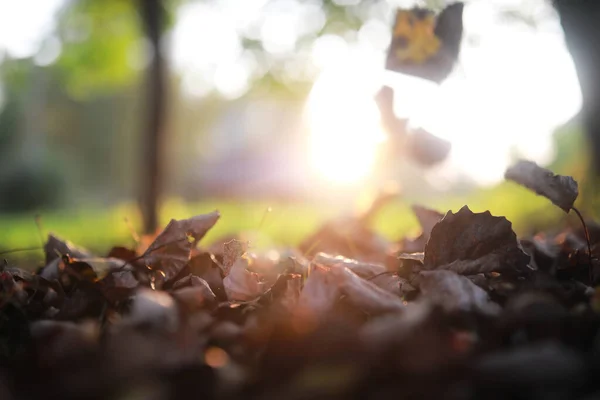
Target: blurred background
x,y
268,115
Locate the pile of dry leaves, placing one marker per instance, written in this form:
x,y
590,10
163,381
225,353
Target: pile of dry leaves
x,y
465,310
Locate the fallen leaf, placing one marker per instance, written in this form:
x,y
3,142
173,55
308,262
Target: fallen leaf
x,y
56,248
560,190
364,294
241,284
364,270
468,236
196,296
170,251
454,292
320,292
232,251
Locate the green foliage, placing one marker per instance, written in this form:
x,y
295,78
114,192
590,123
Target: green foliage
x,y
99,39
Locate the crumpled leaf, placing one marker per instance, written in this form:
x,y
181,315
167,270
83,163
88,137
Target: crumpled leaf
x,y
153,308
232,251
561,190
394,284
96,268
471,243
351,236
454,292
195,296
118,285
241,284
364,270
170,251
203,266
320,292
56,247
365,294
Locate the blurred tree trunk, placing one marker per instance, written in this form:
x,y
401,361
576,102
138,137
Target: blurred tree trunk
x,y
580,20
153,16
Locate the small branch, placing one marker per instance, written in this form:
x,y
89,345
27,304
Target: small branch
x,y
21,249
587,239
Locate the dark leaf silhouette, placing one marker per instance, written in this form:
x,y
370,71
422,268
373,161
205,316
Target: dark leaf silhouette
x,y
560,190
56,248
472,243
170,251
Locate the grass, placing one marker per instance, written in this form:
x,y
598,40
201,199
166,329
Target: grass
x,y
285,225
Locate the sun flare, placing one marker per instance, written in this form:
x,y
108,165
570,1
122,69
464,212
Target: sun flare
x,y
344,127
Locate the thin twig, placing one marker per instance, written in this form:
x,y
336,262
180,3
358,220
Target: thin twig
x,y
587,239
21,249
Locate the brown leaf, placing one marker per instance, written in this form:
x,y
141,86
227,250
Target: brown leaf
x,y
348,237
365,295
196,296
56,247
560,190
232,251
454,292
241,284
320,292
364,270
96,268
466,236
119,285
170,251
427,218
204,267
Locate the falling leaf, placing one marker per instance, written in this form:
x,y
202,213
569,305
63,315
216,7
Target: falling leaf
x,y
426,148
170,251
560,190
454,292
460,239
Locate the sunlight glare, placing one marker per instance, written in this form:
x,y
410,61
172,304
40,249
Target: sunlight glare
x,y
344,126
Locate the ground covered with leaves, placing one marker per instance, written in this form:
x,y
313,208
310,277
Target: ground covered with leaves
x,y
465,310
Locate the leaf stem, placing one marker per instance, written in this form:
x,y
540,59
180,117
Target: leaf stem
x,y
587,239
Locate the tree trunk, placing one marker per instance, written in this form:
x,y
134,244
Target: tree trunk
x,y
580,20
153,16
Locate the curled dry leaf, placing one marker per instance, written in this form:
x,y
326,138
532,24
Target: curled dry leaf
x,y
241,284
364,270
56,247
364,294
472,243
153,308
196,296
560,190
232,251
118,285
349,237
203,266
96,268
454,292
320,292
170,251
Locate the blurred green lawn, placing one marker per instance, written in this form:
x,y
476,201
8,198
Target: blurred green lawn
x,y
285,225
